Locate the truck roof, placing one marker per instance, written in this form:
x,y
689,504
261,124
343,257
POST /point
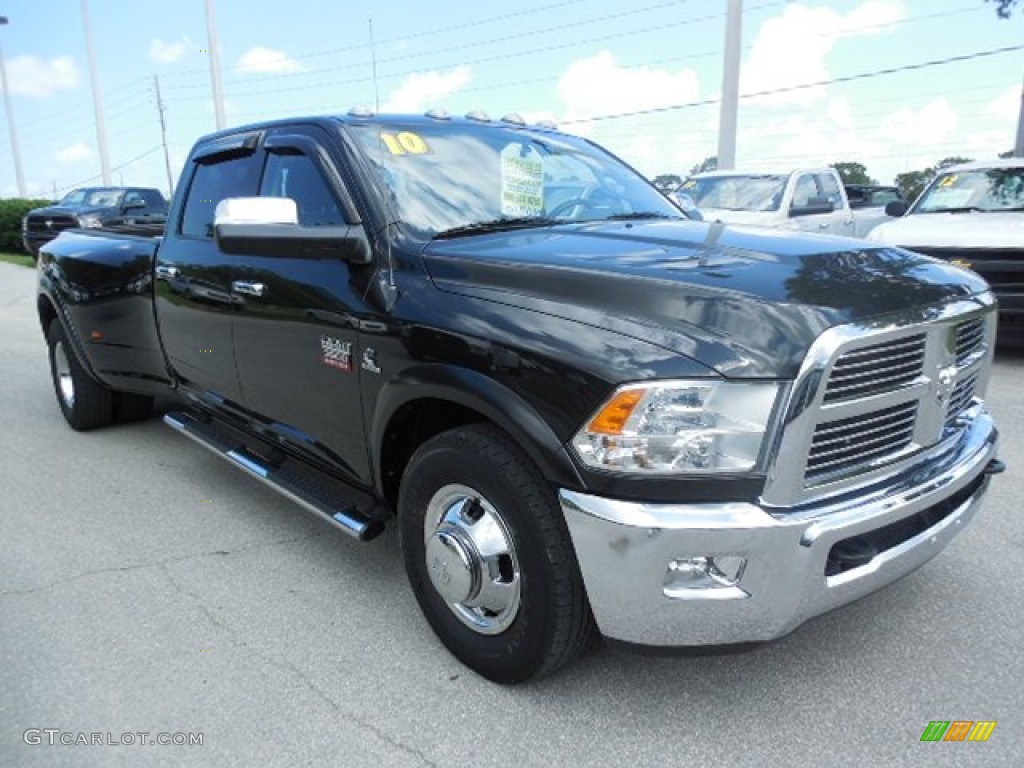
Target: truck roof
x,y
979,165
362,117
757,172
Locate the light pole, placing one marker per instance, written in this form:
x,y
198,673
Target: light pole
x,y
97,102
10,120
218,93
730,86
1018,145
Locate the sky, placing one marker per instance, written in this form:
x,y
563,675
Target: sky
x,y
896,85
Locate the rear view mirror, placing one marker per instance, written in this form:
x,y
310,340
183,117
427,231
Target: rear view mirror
x,y
896,208
256,210
815,205
268,226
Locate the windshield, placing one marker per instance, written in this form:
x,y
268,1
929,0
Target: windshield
x,y
987,189
460,177
93,197
736,193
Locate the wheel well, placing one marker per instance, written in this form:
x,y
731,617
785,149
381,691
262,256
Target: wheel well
x,y
411,426
47,314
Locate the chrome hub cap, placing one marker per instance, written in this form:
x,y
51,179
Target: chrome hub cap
x,y
65,384
471,559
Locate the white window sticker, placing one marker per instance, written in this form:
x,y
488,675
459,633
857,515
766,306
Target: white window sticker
x,y
950,198
522,181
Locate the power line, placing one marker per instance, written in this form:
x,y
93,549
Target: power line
x,y
802,86
125,164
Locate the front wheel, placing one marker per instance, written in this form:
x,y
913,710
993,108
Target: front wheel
x,y
489,556
85,403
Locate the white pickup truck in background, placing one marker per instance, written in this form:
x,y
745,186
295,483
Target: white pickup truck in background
x,y
807,199
972,215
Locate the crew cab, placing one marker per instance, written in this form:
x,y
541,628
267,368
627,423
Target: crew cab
x,y
811,199
972,215
137,210
872,195
584,413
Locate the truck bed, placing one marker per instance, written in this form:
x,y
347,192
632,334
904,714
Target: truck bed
x,y
104,282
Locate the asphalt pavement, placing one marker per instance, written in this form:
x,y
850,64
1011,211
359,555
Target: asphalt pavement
x,y
148,587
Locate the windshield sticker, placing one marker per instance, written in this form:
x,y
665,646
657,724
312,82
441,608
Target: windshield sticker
x,y
950,198
522,181
404,143
948,181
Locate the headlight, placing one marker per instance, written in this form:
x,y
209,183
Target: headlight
x,y
678,427
89,220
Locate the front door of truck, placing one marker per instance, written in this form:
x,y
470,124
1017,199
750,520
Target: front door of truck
x,y
297,333
195,302
819,192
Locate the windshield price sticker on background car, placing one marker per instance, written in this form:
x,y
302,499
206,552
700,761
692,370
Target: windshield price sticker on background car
x,y
522,181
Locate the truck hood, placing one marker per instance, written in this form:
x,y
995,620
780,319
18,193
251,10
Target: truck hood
x,y
747,302
69,210
977,229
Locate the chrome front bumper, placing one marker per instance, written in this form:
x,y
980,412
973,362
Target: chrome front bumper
x,y
625,550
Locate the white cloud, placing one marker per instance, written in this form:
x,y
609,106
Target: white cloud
x,y
260,59
424,90
169,52
1006,106
74,154
598,85
790,49
32,76
933,123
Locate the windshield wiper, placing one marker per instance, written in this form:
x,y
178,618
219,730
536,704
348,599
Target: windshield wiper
x,y
499,225
640,215
959,209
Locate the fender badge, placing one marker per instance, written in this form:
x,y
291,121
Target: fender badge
x,y
370,360
337,353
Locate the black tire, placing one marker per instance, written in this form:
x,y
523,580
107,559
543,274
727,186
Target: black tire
x,y
85,403
550,621
130,407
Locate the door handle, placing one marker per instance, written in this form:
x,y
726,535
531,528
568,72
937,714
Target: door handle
x,y
823,224
249,288
166,272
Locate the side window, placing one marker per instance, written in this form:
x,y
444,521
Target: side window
x,y
805,190
211,183
830,188
132,197
297,177
154,200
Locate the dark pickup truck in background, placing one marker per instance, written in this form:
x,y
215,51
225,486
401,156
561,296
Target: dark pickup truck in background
x,y
584,412
135,210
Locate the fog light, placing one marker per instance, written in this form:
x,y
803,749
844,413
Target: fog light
x,y
710,576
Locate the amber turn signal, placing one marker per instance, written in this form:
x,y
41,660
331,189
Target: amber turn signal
x,y
612,418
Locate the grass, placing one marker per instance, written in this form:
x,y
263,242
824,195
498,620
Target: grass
x,y
17,258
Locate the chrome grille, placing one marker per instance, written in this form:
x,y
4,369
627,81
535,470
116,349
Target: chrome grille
x,y
845,444
970,337
872,399
875,369
961,398
57,223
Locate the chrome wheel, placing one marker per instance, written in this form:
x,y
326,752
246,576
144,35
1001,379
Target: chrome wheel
x,y
471,559
62,367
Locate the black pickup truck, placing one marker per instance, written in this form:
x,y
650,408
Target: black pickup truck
x,y
585,413
135,210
